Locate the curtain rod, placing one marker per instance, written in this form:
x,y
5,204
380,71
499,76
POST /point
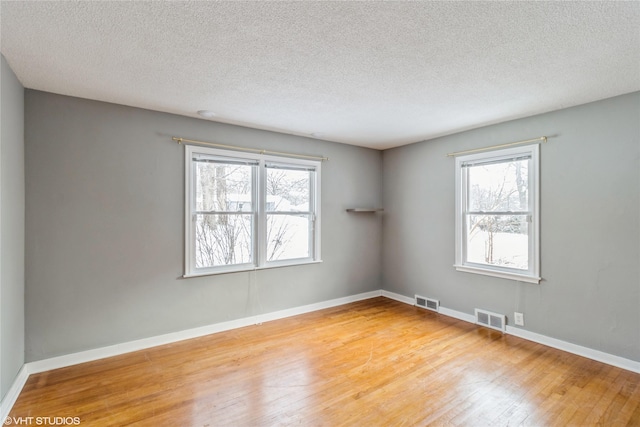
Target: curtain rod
x,y
253,150
475,150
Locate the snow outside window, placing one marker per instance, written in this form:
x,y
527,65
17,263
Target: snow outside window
x,y
248,211
497,213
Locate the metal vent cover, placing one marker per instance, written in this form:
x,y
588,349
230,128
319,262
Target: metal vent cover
x,y
491,320
428,303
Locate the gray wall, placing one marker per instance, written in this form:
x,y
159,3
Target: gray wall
x,y
590,221
104,238
12,194
104,241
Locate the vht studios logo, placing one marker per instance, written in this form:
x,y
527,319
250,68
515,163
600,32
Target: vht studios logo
x,y
42,421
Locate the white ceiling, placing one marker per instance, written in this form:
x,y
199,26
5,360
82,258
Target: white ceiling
x,y
374,74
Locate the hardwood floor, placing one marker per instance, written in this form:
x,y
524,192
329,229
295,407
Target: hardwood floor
x,y
371,363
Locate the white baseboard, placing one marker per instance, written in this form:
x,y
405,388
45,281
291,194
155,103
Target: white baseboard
x,y
589,353
13,392
127,347
599,356
442,310
398,297
457,314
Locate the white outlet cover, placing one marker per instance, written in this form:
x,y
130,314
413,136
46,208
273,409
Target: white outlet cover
x,y
518,318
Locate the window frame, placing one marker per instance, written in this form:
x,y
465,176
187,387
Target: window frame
x,y
311,212
259,211
532,274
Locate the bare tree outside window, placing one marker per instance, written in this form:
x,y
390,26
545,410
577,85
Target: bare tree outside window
x,y
498,213
249,211
224,218
288,213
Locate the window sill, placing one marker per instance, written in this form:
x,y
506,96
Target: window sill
x,y
252,268
500,274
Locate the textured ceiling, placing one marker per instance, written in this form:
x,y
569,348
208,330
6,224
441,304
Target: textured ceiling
x,y
375,74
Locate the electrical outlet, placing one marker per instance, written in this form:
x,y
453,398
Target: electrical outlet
x,y
518,318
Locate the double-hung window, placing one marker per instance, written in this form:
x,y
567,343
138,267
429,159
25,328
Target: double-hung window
x,y
497,213
246,211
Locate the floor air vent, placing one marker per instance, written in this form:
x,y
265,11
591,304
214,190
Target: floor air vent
x,y
428,303
491,320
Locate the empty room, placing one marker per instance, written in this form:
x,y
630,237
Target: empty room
x,y
320,213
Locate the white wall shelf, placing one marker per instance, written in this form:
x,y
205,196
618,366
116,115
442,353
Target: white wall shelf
x,y
364,210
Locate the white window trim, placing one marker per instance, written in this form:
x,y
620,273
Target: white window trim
x,y
533,274
260,219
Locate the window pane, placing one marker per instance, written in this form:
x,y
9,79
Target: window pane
x,y
500,240
223,187
288,190
223,239
499,187
288,237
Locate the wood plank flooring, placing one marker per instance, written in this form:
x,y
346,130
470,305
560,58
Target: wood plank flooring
x,y
371,363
